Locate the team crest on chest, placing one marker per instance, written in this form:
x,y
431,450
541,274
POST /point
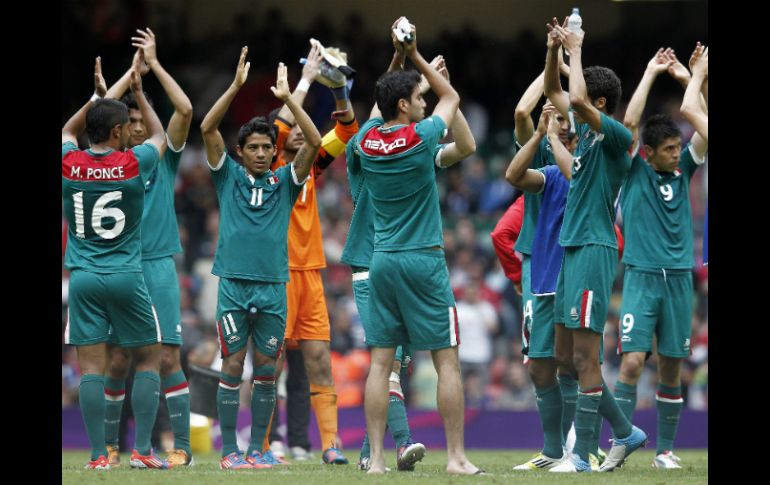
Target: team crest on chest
x,y
273,180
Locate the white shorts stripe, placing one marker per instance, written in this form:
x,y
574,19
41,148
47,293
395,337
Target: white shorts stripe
x,y
361,276
179,392
587,309
232,323
452,334
229,387
157,323
67,328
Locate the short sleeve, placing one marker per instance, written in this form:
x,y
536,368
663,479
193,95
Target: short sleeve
x,y
147,156
431,130
67,147
617,136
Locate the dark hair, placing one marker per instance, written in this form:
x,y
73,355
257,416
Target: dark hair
x,y
603,82
102,117
258,124
130,100
393,86
658,128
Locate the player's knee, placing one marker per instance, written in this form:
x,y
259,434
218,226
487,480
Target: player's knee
x,y
669,370
563,358
583,362
119,365
631,367
232,367
169,361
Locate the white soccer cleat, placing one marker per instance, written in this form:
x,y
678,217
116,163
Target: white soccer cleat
x,y
569,443
621,448
571,464
667,460
278,449
299,453
539,462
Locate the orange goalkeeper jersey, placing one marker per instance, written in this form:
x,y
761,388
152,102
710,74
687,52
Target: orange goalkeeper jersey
x,y
305,240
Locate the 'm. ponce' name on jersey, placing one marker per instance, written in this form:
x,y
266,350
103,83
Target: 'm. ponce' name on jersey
x,y
79,165
399,141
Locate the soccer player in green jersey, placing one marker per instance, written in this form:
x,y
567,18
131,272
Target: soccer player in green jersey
x,y
657,286
160,241
601,163
411,301
251,258
358,251
103,195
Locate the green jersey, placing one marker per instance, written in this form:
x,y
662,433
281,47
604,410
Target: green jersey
x,y
398,163
359,244
160,233
600,165
657,222
254,216
103,196
543,157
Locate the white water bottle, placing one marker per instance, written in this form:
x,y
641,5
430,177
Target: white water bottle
x,y
575,21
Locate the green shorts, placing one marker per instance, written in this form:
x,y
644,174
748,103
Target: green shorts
x,y
585,286
656,302
100,304
411,301
251,308
163,285
537,317
361,295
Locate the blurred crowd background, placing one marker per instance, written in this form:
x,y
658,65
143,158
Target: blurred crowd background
x,y
492,54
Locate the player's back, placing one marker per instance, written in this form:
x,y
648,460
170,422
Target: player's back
x,y
103,196
399,165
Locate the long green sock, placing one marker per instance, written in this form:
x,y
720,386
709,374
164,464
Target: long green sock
x,y
669,402
621,426
144,402
625,395
228,400
549,405
178,401
262,404
597,436
569,391
586,414
114,393
397,421
92,407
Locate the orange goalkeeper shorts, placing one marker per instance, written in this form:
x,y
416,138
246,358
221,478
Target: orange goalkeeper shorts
x,y
306,315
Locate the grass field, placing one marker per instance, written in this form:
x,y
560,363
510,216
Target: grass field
x,y
430,471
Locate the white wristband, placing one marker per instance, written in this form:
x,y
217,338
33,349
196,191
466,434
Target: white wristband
x,y
303,85
95,98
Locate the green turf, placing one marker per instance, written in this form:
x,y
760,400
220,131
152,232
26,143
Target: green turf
x,y
430,471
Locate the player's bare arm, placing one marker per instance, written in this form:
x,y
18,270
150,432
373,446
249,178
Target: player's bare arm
x,y
179,124
578,94
659,63
551,81
448,99
77,123
560,152
212,138
156,135
518,173
691,108
117,90
309,72
309,149
464,144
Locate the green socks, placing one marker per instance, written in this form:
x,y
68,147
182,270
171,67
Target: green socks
x,y
92,407
262,405
586,414
669,403
569,391
114,394
621,426
397,423
228,400
549,407
178,402
625,395
144,402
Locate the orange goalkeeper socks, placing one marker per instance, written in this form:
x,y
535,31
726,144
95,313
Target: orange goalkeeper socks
x,y
323,399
